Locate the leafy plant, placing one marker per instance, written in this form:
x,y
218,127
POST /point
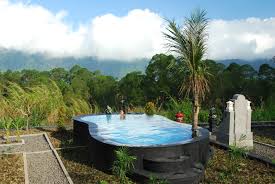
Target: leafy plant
x,y
203,115
154,180
18,123
235,156
123,164
7,123
189,43
175,106
102,182
150,108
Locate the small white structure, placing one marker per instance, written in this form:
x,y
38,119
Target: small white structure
x,y
235,129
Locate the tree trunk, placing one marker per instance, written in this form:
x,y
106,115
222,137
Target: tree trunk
x,y
196,109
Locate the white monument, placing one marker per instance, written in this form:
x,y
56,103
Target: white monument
x,y
235,129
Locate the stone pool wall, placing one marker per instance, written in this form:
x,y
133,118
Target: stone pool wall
x,y
179,163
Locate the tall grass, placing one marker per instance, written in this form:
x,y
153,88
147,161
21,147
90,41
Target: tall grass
x,y
40,104
264,114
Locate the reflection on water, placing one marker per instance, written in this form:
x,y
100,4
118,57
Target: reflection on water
x,y
108,118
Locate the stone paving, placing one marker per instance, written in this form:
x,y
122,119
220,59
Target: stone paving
x,y
43,166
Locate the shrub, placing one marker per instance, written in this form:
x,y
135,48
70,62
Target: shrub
x,y
150,108
175,106
123,164
203,115
265,114
7,124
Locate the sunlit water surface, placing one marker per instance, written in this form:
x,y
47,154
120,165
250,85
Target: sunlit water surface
x,y
137,130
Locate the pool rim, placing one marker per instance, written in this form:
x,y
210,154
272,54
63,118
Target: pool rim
x,y
203,133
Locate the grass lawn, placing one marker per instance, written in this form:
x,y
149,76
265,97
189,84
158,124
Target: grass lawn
x,y
12,169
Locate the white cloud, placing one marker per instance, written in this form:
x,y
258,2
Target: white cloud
x,y
33,28
135,35
245,39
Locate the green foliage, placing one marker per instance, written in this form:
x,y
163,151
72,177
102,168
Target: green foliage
x,y
236,152
130,86
18,124
55,96
155,180
235,155
175,106
264,114
7,124
123,165
161,77
102,182
188,42
150,108
203,115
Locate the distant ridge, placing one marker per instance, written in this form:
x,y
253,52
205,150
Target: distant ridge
x,y
256,63
17,60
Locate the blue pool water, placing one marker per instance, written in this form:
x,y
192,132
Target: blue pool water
x,y
137,130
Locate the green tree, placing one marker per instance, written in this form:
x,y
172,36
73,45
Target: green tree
x,y
189,43
131,87
103,90
162,79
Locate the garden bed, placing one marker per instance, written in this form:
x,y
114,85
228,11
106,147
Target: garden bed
x,y
78,166
222,169
12,169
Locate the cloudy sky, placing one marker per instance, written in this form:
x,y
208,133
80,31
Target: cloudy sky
x,y
132,29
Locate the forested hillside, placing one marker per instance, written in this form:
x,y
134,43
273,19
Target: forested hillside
x,y
17,60
59,94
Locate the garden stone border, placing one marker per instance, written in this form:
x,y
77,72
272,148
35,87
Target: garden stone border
x,y
265,144
26,168
25,153
14,144
59,159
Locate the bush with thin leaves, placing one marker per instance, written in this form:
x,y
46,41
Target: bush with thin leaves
x,y
123,165
150,108
18,124
7,124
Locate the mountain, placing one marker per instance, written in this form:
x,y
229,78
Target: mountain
x,y
17,60
256,63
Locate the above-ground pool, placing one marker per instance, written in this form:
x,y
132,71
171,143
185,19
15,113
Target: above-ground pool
x,y
137,130
162,147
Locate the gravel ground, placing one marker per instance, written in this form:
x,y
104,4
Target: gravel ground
x,y
32,144
265,151
44,168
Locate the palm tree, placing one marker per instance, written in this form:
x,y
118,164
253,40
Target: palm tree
x,y
189,44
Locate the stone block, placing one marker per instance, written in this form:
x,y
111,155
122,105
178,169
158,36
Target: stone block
x,y
235,129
